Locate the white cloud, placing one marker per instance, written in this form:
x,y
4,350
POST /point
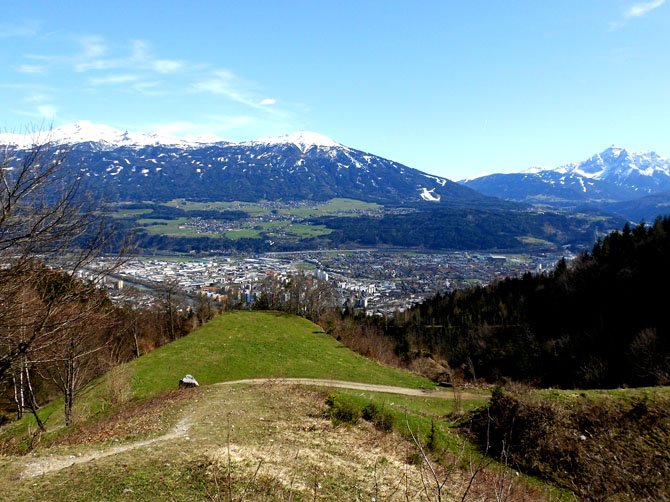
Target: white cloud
x,y
641,9
36,97
24,29
113,79
226,83
139,58
46,111
167,65
148,88
94,46
97,64
267,101
214,124
140,50
31,68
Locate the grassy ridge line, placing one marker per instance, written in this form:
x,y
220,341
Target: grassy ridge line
x,y
235,346
239,345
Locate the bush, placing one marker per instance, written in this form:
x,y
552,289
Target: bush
x,y
119,389
384,421
342,410
380,417
370,411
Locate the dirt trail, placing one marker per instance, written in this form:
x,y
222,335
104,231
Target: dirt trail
x,y
44,465
343,384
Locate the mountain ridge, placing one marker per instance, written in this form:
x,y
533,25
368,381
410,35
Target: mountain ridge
x,y
299,166
616,174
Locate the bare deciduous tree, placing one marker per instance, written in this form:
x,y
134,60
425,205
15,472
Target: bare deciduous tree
x,y
48,228
68,357
171,306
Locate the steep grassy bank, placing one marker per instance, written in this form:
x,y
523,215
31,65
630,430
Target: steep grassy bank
x,y
602,445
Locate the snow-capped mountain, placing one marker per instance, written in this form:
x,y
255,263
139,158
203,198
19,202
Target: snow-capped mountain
x,y
616,174
304,140
303,165
106,137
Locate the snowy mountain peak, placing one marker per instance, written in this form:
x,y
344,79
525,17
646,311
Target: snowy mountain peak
x,y
303,140
614,174
536,169
85,131
108,137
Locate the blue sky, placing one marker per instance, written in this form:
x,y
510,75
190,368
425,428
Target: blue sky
x,y
449,87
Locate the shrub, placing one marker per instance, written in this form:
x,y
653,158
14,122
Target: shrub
x,y
342,410
384,420
380,417
370,411
414,458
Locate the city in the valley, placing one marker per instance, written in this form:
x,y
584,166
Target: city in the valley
x,y
375,280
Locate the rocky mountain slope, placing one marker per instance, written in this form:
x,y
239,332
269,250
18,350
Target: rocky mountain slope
x,y
614,175
138,166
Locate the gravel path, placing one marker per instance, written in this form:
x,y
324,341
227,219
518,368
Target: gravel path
x,y
343,384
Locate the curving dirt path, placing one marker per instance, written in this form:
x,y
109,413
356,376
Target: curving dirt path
x,y
45,465
344,384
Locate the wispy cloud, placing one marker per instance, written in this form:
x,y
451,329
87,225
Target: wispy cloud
x,y
113,79
139,58
42,112
27,28
137,68
37,97
212,123
637,10
642,9
94,46
226,83
167,65
46,111
31,68
148,88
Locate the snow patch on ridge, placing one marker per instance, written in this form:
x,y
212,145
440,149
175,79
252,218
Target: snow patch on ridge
x,y
440,181
429,195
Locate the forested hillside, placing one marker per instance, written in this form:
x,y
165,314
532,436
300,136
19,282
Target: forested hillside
x,y
599,321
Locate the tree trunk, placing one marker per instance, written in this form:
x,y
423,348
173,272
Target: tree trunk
x,y
68,395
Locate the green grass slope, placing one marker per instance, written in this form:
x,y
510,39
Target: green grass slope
x,y
233,346
243,344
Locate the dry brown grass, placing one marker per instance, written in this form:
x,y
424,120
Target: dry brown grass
x,y
128,422
309,457
278,441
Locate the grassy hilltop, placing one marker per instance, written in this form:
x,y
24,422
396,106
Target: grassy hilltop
x,y
137,438
241,345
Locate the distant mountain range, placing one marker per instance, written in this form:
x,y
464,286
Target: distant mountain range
x,y
304,165
435,213
610,180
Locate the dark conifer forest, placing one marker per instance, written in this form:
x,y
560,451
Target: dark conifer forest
x,y
599,321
